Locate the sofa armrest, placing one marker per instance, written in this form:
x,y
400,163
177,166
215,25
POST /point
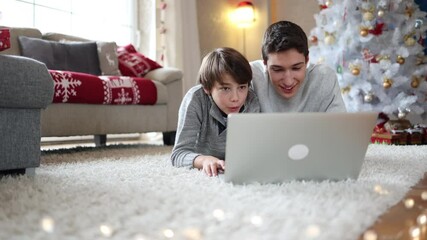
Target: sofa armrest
x,y
165,75
25,83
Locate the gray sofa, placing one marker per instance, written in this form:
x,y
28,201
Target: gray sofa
x,y
69,119
26,89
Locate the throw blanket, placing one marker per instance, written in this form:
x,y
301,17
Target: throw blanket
x,y
74,87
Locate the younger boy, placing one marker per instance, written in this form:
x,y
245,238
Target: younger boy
x,y
224,78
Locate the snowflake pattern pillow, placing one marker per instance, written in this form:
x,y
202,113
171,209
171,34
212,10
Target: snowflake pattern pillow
x,y
133,63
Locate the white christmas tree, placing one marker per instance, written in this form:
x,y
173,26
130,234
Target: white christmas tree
x,y
376,48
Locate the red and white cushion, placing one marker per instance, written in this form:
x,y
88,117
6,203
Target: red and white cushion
x,y
75,87
134,64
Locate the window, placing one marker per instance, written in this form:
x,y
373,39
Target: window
x,y
107,20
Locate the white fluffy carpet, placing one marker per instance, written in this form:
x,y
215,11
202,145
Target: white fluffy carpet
x,y
134,193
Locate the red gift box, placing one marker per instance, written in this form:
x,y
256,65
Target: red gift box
x,y
4,39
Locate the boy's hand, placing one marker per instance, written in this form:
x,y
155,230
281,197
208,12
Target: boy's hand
x,y
210,165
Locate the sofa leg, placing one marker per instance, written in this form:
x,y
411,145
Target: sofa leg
x,y
169,138
100,140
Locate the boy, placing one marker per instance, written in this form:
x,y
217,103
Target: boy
x,y
224,78
282,81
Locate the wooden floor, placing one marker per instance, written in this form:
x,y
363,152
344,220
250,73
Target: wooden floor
x,y
406,220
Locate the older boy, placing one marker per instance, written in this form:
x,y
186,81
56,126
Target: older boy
x,y
224,78
282,80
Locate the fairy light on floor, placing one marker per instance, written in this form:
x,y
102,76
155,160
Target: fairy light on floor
x,y
415,232
312,231
140,237
256,220
47,224
424,195
422,219
380,190
409,203
192,234
106,230
168,233
219,214
370,235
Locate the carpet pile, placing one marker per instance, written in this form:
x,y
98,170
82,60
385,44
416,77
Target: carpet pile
x,y
134,193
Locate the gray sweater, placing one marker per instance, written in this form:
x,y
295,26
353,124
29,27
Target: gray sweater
x,y
320,91
202,127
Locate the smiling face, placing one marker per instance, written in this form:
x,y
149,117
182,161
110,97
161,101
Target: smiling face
x,y
287,71
229,96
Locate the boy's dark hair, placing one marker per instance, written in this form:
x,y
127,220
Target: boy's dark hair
x,y
223,61
282,36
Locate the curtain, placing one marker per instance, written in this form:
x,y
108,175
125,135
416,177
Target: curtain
x,y
182,48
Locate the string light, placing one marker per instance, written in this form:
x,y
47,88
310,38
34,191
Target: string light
x,y
218,214
256,220
370,235
47,224
168,233
106,230
192,234
312,231
409,203
424,195
415,232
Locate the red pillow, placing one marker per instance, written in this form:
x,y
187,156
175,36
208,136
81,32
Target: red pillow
x,y
4,39
133,63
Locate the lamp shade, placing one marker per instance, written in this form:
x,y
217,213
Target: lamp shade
x,y
244,14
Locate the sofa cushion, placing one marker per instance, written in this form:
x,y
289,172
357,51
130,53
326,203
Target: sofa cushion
x,y
133,63
76,56
14,43
107,51
74,87
108,58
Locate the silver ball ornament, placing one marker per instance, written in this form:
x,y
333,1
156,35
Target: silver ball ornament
x,y
368,97
401,115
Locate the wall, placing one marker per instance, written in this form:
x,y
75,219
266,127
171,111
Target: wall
x,y
216,29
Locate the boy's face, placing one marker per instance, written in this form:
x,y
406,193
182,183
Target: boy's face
x,y
229,96
287,71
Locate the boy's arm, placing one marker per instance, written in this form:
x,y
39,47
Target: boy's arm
x,y
189,125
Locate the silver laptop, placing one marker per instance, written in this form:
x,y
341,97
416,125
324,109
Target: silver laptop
x,y
280,147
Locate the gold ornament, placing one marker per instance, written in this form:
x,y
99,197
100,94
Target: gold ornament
x,y
364,32
330,39
415,82
368,16
328,3
355,71
387,83
400,59
345,90
410,42
381,13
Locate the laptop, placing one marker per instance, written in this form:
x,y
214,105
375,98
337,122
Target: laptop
x,y
281,147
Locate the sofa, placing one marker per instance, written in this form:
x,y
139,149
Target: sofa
x,y
82,118
26,89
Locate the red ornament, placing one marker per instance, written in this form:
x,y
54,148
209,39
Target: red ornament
x,y
378,30
323,6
